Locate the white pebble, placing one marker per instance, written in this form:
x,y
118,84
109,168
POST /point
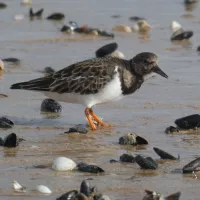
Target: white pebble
x,y
19,17
175,26
63,164
43,189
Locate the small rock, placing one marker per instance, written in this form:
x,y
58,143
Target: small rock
x,y
122,28
89,168
171,129
145,163
68,195
50,105
26,2
132,139
77,129
127,158
3,5
56,16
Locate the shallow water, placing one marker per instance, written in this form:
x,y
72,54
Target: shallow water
x,y
148,112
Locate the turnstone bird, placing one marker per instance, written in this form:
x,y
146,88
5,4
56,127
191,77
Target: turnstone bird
x,y
96,81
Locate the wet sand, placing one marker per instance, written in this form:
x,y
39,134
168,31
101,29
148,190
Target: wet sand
x,y
148,112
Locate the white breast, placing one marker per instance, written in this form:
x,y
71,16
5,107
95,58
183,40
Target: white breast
x,y
112,91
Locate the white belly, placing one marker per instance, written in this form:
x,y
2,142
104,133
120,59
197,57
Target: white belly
x,y
112,91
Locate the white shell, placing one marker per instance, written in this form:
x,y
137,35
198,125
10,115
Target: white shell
x,y
1,65
175,26
118,54
26,2
19,17
16,185
135,27
43,189
63,164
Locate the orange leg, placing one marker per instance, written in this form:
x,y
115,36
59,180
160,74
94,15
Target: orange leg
x,y
91,123
96,118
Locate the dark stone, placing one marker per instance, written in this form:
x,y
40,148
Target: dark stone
x,y
50,105
113,161
132,139
127,158
163,154
56,16
106,50
171,129
145,163
2,5
66,29
135,18
68,195
77,129
12,60
189,122
83,167
6,123
193,166
49,70
105,34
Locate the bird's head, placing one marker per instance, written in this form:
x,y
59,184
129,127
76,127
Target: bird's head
x,y
144,64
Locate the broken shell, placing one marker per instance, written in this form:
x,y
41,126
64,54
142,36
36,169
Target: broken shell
x,y
6,123
17,187
174,196
193,166
89,168
127,158
171,129
68,195
152,195
43,189
188,122
63,164
164,155
85,188
145,163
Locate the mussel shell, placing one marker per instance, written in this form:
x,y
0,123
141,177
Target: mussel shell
x,y
1,141
163,154
10,140
135,18
65,28
171,129
77,129
68,195
85,188
174,196
188,122
113,161
192,166
182,36
145,163
127,158
105,34
141,140
50,105
106,50
6,123
89,168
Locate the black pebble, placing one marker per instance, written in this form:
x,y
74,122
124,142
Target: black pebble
x,y
171,129
56,16
2,5
83,167
106,50
145,163
49,70
12,60
6,123
127,158
77,129
50,105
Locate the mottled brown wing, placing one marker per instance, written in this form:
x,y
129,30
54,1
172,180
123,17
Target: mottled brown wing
x,y
86,77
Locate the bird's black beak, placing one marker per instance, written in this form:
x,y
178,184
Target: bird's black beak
x,y
160,72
